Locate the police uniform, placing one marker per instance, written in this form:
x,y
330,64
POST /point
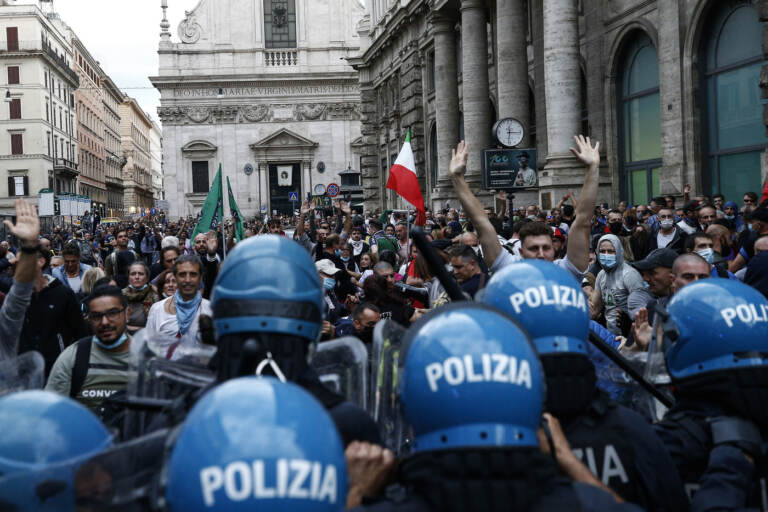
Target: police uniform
x,y
712,339
617,445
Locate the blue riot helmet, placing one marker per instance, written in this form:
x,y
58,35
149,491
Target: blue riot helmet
x,y
471,378
267,301
255,443
45,438
714,334
550,305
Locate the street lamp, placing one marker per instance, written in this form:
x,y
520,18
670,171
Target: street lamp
x,y
8,98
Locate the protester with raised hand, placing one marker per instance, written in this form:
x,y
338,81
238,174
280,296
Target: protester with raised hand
x,y
27,230
577,254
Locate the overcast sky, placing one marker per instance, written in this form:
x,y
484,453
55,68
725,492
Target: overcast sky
x,y
123,37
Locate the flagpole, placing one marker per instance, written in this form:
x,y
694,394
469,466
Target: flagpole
x,y
223,223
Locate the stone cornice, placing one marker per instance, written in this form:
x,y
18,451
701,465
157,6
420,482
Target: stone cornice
x,y
205,113
391,30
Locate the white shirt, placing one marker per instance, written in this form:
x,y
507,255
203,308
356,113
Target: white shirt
x,y
162,328
75,283
663,240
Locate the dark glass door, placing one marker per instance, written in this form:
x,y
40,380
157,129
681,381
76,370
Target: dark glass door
x,y
284,179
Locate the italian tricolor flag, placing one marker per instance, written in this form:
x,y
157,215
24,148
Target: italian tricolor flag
x,y
403,180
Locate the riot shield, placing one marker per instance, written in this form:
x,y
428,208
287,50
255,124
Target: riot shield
x,y
158,378
385,391
124,478
26,371
342,365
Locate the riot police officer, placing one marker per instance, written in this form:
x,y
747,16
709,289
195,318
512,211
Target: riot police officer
x,y
284,454
712,337
616,443
268,312
472,391
45,437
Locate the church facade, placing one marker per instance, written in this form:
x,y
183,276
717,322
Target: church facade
x,y
261,88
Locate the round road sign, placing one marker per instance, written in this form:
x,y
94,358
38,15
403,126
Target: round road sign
x,y
333,190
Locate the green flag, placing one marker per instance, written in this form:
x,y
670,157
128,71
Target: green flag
x,y
235,212
213,208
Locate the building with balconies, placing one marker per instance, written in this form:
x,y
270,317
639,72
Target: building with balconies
x,y
262,88
38,139
135,126
114,160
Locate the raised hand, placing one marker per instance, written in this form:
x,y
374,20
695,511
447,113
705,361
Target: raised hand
x,y
687,189
211,242
345,208
459,157
641,329
588,155
27,228
304,208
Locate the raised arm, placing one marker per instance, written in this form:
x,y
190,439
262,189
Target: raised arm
x,y
474,210
578,237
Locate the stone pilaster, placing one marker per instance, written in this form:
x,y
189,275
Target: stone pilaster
x,y
671,97
512,63
369,160
446,101
562,83
476,100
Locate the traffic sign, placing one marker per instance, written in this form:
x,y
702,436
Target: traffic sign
x,y
293,196
333,190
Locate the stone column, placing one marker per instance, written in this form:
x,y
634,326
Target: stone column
x,y
562,82
670,95
477,103
512,63
562,76
446,93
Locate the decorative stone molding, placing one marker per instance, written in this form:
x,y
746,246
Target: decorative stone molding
x,y
212,114
189,29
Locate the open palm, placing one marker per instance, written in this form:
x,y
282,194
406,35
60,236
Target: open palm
x,y
27,227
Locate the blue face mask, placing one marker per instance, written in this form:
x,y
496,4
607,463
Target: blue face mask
x,y
729,217
115,344
338,252
608,261
345,259
329,283
708,254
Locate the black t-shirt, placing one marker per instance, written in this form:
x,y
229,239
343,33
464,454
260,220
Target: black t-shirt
x,y
474,284
400,313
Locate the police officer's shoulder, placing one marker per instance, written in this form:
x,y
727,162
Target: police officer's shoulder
x,y
354,424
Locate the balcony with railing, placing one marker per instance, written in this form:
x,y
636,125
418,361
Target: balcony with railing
x,y
281,58
65,166
42,47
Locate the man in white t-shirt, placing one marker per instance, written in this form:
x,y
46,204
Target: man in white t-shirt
x,y
536,241
173,323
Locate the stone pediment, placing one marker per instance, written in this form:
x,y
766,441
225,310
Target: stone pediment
x,y
199,149
284,138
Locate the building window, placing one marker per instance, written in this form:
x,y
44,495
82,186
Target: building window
x,y
280,23
639,121
13,75
732,124
17,144
15,108
18,186
12,37
200,183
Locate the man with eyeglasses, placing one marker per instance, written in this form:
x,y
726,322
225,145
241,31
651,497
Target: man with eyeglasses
x,y
750,199
94,368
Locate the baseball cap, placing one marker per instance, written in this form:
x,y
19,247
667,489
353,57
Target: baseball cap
x,y
326,267
657,258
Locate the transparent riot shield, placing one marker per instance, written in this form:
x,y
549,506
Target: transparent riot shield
x,y
656,368
385,390
23,372
342,365
160,379
125,477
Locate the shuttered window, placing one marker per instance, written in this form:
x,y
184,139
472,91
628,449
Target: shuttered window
x,y
18,186
13,74
12,37
15,107
17,144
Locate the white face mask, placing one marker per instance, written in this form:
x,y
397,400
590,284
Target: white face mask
x,y
667,223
